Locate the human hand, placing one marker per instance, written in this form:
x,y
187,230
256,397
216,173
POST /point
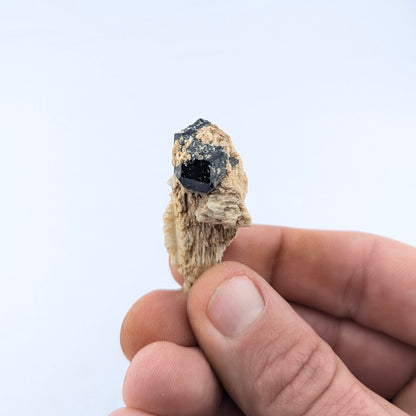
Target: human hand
x,y
314,323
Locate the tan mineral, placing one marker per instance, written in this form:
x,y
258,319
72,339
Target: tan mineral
x,y
207,200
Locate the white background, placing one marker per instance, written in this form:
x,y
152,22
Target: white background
x,y
318,96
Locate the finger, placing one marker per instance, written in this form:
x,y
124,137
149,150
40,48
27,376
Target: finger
x,y
380,362
158,316
226,408
406,399
165,379
369,279
125,411
267,358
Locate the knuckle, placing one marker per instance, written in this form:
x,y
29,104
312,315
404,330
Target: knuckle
x,y
294,377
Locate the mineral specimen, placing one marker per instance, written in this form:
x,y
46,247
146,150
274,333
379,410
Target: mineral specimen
x,y
207,200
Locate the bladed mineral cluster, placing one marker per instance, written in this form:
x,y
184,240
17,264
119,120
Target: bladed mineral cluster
x,y
207,200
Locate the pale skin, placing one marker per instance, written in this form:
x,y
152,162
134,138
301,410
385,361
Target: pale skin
x,y
328,328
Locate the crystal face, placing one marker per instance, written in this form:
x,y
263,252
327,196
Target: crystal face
x,y
206,166
205,169
195,175
190,131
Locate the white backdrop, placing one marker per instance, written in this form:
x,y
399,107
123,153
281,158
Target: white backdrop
x,y
318,96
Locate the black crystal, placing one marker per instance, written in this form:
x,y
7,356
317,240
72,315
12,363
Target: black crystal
x,y
195,175
190,131
206,166
233,161
205,169
193,128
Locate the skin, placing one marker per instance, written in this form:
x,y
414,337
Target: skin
x,y
336,335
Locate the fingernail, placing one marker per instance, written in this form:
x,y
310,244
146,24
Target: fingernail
x,y
235,305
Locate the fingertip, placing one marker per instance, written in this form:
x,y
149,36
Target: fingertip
x,y
158,316
207,283
213,297
167,379
126,411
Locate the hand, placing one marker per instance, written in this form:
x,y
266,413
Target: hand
x,y
313,323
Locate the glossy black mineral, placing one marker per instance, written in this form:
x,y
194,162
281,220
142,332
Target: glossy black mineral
x,y
195,175
190,131
206,166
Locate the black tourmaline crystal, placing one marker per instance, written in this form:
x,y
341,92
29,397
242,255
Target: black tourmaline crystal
x,y
190,131
195,175
206,166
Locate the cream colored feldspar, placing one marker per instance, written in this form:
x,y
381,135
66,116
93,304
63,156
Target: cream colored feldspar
x,y
199,226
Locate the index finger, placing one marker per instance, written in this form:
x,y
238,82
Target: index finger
x,y
367,278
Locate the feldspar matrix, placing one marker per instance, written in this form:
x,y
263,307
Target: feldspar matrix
x,y
207,200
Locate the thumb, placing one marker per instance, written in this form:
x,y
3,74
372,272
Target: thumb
x,y
268,359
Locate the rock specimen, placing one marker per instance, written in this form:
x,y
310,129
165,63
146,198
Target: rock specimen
x,y
207,200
